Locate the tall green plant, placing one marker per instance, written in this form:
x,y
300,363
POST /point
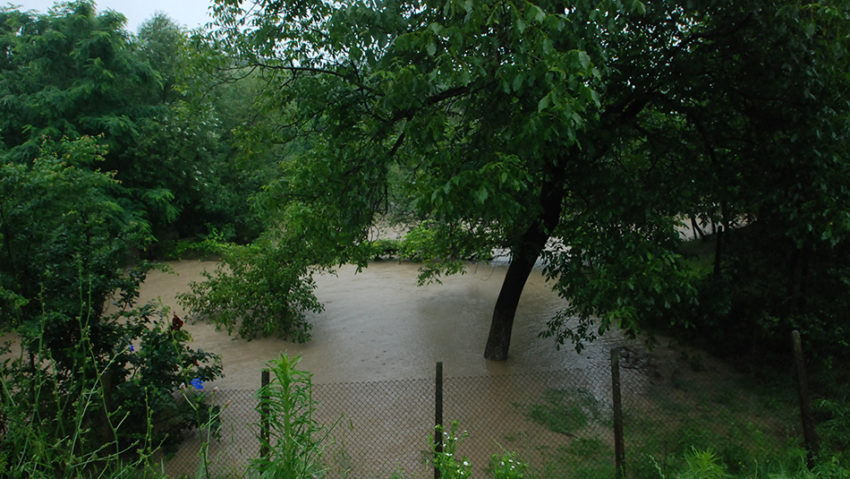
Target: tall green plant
x,y
295,440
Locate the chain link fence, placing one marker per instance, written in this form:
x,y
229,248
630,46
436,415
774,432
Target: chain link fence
x,y
560,422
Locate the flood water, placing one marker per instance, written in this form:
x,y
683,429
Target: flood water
x,y
379,325
373,356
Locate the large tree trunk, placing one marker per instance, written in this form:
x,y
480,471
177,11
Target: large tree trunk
x,y
523,256
522,262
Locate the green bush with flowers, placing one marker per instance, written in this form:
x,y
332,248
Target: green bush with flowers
x,y
92,386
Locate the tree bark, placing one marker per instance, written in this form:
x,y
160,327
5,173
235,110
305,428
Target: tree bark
x,y
804,279
718,251
499,339
798,272
523,256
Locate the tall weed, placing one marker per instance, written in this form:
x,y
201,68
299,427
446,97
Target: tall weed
x,y
295,441
47,433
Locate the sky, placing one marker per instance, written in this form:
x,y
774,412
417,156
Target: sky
x,y
188,13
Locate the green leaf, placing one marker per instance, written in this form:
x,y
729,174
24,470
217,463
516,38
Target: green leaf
x,y
536,14
544,102
584,60
355,53
520,25
431,48
516,84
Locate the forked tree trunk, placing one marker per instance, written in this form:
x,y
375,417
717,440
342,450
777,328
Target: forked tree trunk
x,y
523,256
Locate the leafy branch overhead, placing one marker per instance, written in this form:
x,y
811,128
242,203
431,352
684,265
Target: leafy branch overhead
x,y
586,134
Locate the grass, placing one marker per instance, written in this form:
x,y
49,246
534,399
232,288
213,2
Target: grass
x,y
565,411
748,428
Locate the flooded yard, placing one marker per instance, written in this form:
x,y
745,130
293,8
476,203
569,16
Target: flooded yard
x,y
378,325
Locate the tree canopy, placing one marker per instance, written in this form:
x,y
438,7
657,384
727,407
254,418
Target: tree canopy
x,y
166,119
101,153
585,134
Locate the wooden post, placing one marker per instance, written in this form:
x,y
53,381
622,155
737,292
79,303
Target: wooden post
x,y
809,434
265,427
619,439
438,416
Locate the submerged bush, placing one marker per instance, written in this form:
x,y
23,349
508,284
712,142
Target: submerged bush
x,y
260,289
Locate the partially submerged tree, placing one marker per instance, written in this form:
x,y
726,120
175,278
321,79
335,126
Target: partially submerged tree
x,y
593,127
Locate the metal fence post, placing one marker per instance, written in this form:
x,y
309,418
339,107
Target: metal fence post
x,y
809,434
438,417
619,439
265,427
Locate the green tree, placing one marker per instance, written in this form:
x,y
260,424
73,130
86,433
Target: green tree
x,y
64,235
187,141
74,72
68,73
593,128
779,175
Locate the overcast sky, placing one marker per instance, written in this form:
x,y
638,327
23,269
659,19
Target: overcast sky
x,y
188,13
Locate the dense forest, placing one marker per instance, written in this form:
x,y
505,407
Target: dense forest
x,y
115,149
677,168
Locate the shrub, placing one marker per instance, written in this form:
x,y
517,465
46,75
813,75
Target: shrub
x,y
48,432
259,289
65,241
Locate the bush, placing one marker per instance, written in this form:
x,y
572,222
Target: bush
x,y
260,289
85,379
68,429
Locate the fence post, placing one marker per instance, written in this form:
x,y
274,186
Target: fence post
x,y
619,440
265,428
438,417
805,406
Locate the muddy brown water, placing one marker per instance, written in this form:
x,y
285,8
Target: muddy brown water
x,y
373,356
373,353
379,325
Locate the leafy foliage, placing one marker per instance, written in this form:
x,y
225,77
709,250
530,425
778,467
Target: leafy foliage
x,y
478,106
159,364
65,237
260,289
295,439
149,100
189,138
67,73
586,134
65,242
48,433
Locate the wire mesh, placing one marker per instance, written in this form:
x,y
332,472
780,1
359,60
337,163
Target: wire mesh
x,y
560,422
